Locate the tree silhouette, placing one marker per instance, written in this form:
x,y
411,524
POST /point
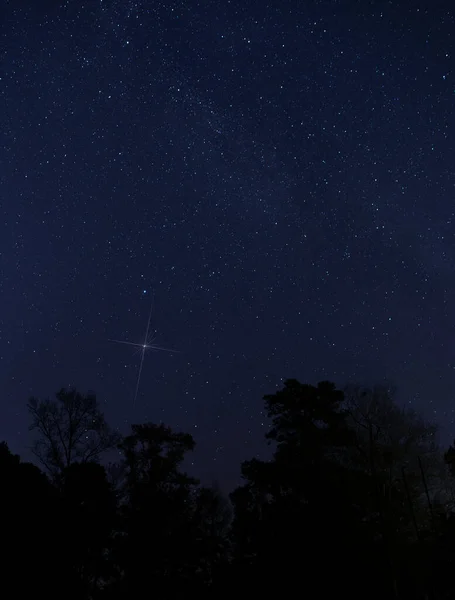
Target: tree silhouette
x,y
155,541
28,505
309,502
399,449
212,519
70,429
88,507
357,499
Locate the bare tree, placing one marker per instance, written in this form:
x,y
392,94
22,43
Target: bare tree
x,y
401,434
70,429
396,438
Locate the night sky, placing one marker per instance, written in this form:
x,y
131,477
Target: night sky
x,y
278,175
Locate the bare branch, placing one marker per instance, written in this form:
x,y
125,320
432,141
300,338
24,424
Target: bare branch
x,y
70,429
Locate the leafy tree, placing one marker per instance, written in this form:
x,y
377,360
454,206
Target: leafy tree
x,y
88,509
70,429
307,501
27,507
155,540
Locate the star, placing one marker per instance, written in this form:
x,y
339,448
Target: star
x,y
146,345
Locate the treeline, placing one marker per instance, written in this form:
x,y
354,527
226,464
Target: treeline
x,y
356,502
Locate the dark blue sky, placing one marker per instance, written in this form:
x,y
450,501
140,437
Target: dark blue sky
x,y
279,175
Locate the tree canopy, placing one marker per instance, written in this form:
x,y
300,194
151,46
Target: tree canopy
x,y
356,499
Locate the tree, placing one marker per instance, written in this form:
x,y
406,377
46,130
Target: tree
x,y
27,508
399,449
212,519
88,509
70,429
350,484
305,505
155,545
214,510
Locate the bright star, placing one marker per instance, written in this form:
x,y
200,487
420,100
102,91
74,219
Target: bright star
x,y
146,345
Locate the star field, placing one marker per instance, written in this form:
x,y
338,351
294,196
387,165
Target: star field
x,y
277,175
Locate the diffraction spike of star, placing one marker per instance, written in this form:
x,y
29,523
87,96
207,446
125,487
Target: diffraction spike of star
x,y
147,344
